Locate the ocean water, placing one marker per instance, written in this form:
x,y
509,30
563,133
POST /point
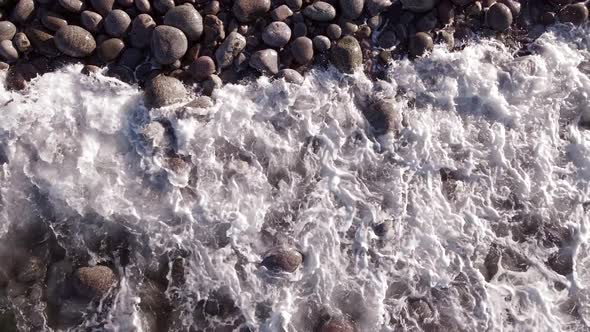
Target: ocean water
x,y
486,157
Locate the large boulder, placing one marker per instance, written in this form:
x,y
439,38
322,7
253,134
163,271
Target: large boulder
x,y
247,10
168,44
347,55
187,19
163,91
75,41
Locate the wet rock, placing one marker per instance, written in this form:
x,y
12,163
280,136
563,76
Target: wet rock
x,y
73,6
168,44
352,9
142,27
427,22
418,6
349,28
23,11
212,8
91,21
283,260
7,30
294,4
143,6
42,41
321,43
374,7
337,324
75,41
302,50
121,73
187,19
281,13
320,11
110,49
576,13
499,17
247,10
276,34
513,5
419,309
202,68
233,44
561,262
212,83
383,116
8,52
53,21
299,30
420,44
116,23
57,278
548,18
290,76
131,58
382,229
511,260
346,55
265,61
214,30
163,91
22,42
71,312
462,3
446,38
103,7
333,31
31,270
446,12
94,281
163,6
18,75
387,39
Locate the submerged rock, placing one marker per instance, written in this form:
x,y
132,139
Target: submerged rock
x,y
575,13
291,76
337,324
347,55
283,260
94,281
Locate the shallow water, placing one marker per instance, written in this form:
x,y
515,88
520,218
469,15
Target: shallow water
x,y
487,140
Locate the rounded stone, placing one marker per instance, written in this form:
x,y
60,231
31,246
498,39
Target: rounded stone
x,y
334,31
110,49
283,260
73,6
202,68
117,23
8,52
91,21
276,34
265,61
302,50
94,281
187,19
291,76
281,13
418,6
320,11
163,91
7,30
75,41
103,7
22,42
299,30
143,6
212,8
53,21
576,13
23,11
163,6
352,9
499,17
321,43
347,55
168,44
294,4
420,43
140,34
247,10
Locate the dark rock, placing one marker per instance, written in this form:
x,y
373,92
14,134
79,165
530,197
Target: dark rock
x,y
7,30
187,19
576,13
462,3
375,22
321,43
214,82
374,7
94,281
57,286
110,49
302,50
8,52
212,8
511,260
22,42
383,116
291,76
116,23
131,58
247,10
561,262
348,28
91,21
299,30
320,11
163,91
387,39
103,7
548,18
168,44
337,324
283,260
364,32
265,61
23,11
513,5
418,6
202,68
73,6
163,6
382,229
419,309
75,41
71,312
352,9
294,4
420,44
142,27
276,34
233,44
31,270
42,41
53,21
143,6
123,74
346,55
499,17
125,3
281,13
446,12
333,31
427,22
